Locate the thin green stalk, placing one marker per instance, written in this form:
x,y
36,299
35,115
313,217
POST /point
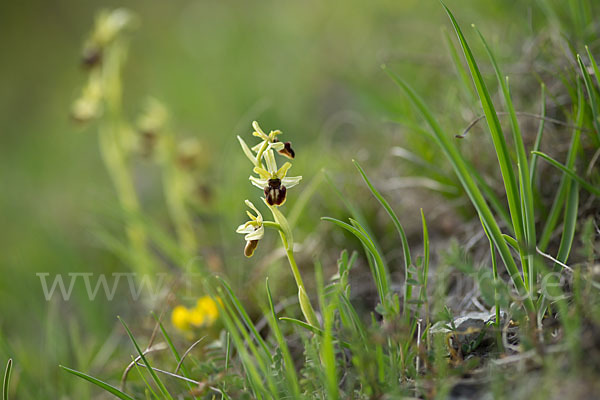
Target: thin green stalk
x,y
110,389
113,142
569,224
538,138
572,175
594,65
290,371
6,380
148,386
175,194
305,304
496,290
458,65
287,240
327,348
184,370
561,193
425,278
237,305
294,266
380,274
589,86
234,328
155,377
401,233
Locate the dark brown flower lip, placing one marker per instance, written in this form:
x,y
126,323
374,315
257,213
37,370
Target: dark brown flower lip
x,y
250,247
274,182
275,192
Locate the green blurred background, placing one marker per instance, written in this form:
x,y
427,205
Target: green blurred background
x,y
311,69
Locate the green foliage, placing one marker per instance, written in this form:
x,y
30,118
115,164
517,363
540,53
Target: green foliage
x,y
266,346
99,383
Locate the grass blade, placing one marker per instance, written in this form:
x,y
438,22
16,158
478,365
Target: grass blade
x,y
458,65
379,271
561,194
399,228
184,371
148,386
155,377
302,324
239,324
594,65
110,389
290,371
226,314
356,213
6,381
538,138
570,221
589,86
587,186
425,277
353,321
245,317
327,347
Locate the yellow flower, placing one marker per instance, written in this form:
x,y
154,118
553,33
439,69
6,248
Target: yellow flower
x,y
180,318
208,307
203,315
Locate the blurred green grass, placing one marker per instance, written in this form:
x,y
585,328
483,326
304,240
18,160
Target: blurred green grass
x,y
303,67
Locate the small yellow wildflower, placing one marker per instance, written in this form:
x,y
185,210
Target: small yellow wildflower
x,y
203,315
180,318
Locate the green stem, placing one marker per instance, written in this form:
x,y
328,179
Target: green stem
x,y
114,154
295,270
260,153
288,244
175,194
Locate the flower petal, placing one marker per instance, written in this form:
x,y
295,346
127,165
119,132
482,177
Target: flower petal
x,y
283,170
276,145
274,133
247,151
252,206
264,174
258,131
256,235
259,183
259,217
291,181
245,228
258,146
270,160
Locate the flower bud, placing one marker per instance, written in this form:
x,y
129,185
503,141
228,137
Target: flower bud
x,y
287,150
306,307
91,56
